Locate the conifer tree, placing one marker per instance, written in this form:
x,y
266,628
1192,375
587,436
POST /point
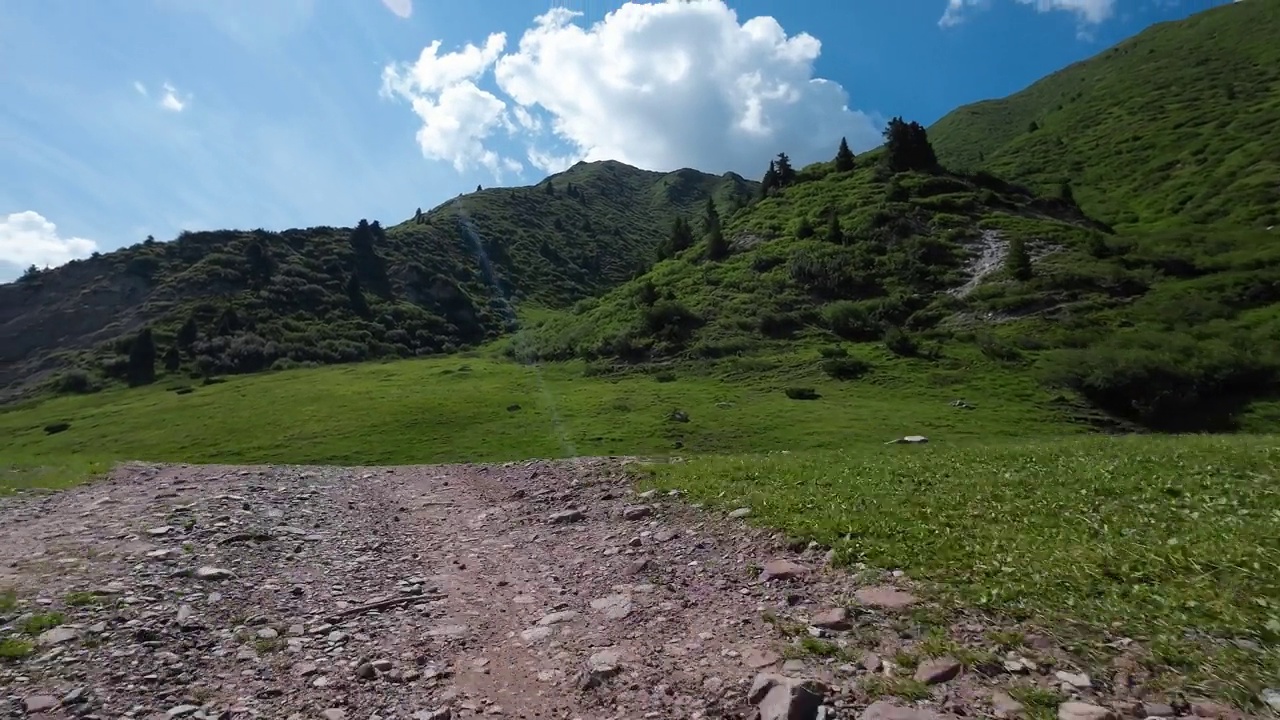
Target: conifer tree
x,y
844,157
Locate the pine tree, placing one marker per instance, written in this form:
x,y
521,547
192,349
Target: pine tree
x,y
844,157
356,295
769,182
172,359
907,147
835,234
786,173
229,322
142,359
261,265
551,189
717,246
1018,261
712,220
188,334
478,188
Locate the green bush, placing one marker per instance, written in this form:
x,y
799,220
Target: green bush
x,y
1170,381
846,368
802,393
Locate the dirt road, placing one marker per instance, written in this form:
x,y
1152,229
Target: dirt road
x,y
535,590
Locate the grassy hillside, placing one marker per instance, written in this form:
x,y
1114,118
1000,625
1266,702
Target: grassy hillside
x,y
1176,126
1169,329
445,279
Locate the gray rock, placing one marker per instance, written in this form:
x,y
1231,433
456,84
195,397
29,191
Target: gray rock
x,y
267,633
601,666
366,671
832,619
57,636
565,516
1271,698
614,607
1084,711
334,714
557,618
637,512
784,570
382,665
777,697
39,703
740,513
870,662
937,670
759,658
76,696
536,634
304,669
1159,710
182,710
213,573
883,596
1005,707
1079,681
162,530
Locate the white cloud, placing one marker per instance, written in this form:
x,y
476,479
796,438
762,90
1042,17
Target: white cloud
x,y
1088,12
659,85
456,114
142,89
27,238
171,101
402,8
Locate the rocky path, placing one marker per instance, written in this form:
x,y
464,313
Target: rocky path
x,y
535,590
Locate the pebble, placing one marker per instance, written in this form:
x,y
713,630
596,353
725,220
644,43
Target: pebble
x,y
937,670
784,570
1084,711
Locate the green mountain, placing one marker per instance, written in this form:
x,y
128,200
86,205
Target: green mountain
x,y
1166,320
1176,126
244,301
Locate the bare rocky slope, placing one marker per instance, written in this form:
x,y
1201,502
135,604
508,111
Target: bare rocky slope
x,y
533,590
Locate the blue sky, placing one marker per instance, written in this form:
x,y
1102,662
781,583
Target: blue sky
x,y
128,118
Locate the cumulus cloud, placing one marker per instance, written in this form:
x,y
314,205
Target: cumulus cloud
x,y
660,85
1089,12
28,238
402,8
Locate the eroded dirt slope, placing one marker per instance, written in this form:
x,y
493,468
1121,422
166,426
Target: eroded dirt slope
x,y
534,590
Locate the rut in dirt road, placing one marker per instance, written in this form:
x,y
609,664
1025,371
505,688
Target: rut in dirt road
x,y
535,590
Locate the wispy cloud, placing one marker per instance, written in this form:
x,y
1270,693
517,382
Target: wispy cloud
x,y
403,8
170,98
171,101
1087,12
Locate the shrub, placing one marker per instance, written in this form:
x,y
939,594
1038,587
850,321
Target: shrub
x,y
802,393
846,368
76,381
900,343
1167,380
664,376
833,351
852,321
55,428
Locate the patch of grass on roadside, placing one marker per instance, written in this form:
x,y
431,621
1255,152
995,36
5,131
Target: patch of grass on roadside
x,y
82,599
8,601
19,471
40,622
1041,704
1169,540
14,648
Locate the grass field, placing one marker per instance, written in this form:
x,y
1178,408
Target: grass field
x,y
457,410
1170,541
1011,508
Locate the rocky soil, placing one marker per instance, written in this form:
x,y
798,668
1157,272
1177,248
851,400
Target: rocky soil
x,y
534,590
